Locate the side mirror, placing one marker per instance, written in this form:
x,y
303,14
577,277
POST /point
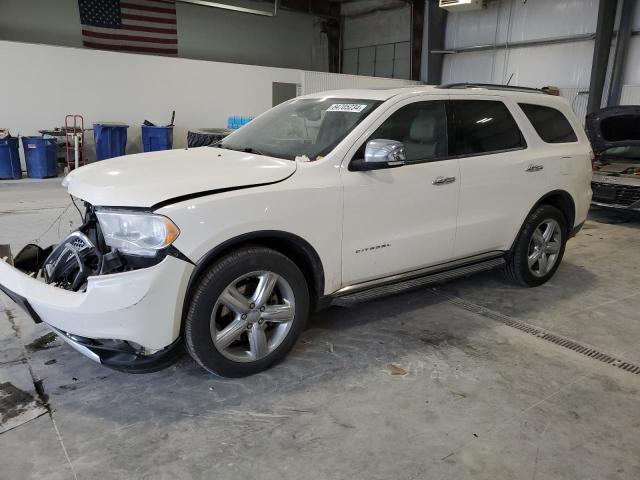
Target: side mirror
x,y
381,153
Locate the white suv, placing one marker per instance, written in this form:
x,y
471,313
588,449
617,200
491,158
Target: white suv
x,y
333,196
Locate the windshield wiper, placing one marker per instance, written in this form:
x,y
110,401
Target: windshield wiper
x,y
245,149
253,150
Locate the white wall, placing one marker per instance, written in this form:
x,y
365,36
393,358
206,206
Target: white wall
x,y
313,82
49,82
290,40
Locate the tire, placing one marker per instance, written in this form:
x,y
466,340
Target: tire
x,y
518,269
205,137
233,304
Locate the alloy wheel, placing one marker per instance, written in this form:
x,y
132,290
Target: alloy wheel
x,y
544,247
252,316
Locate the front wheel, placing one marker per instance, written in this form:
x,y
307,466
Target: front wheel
x,y
247,311
539,249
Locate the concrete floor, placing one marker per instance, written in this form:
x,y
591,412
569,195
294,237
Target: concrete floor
x,y
407,387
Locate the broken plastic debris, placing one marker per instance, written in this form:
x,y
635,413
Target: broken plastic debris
x,y
396,370
302,158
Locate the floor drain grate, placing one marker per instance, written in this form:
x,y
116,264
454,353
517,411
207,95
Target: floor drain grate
x,y
543,334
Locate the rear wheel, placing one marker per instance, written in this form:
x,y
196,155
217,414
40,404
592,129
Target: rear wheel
x,y
540,247
247,311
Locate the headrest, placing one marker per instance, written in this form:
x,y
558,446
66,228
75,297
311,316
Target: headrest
x,y
423,127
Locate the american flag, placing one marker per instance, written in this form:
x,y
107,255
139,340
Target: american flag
x,y
139,26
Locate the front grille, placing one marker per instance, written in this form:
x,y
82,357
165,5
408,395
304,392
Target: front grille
x,y
613,193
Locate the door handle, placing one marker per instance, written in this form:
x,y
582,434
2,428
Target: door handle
x,y
534,168
443,180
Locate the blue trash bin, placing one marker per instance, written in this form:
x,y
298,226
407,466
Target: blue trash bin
x,y
9,159
157,138
41,156
110,140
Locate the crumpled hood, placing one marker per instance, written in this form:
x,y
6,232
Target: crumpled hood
x,y
147,179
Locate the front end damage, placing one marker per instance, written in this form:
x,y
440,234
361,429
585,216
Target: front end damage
x,y
616,182
614,133
123,311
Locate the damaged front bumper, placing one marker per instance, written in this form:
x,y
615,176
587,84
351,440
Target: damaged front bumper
x,y
129,320
616,192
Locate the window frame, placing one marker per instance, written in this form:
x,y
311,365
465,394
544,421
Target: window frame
x,y
535,129
448,110
451,126
393,112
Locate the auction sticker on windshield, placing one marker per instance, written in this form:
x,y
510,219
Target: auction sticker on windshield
x,y
346,107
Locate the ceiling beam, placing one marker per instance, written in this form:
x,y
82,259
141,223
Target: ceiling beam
x,y
320,8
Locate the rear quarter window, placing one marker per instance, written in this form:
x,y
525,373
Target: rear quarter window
x,y
550,124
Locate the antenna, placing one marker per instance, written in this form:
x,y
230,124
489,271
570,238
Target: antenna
x,y
509,81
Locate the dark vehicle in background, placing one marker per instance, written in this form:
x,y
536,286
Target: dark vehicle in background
x,y
615,137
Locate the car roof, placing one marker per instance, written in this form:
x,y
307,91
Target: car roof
x,y
454,89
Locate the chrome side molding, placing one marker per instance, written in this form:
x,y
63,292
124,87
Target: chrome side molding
x,y
442,267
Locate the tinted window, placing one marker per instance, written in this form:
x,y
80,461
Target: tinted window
x,y
551,124
621,128
482,126
420,126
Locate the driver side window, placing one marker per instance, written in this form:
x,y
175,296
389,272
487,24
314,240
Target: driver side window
x,y
420,126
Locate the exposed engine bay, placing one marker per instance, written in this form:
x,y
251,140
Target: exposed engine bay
x,y
82,254
618,167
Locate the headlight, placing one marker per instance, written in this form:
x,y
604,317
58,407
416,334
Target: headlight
x,y
136,233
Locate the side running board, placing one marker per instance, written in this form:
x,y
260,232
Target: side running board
x,y
404,285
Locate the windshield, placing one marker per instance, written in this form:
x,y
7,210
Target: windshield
x,y
300,127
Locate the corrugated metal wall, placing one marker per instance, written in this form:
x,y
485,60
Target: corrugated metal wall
x,y
313,82
376,43
565,65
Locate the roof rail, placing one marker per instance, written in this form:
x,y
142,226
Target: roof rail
x,y
492,86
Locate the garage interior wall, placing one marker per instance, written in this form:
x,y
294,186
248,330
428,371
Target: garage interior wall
x,y
289,40
375,38
129,88
565,65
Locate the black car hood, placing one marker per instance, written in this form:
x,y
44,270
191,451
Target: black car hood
x,y
614,127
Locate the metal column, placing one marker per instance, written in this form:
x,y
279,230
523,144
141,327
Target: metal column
x,y
604,33
436,22
620,52
417,26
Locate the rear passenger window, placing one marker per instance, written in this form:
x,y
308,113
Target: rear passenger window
x,y
482,126
551,124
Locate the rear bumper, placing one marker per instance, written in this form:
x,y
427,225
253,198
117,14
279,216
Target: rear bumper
x,y
142,306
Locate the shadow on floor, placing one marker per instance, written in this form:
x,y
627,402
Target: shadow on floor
x,y
614,217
